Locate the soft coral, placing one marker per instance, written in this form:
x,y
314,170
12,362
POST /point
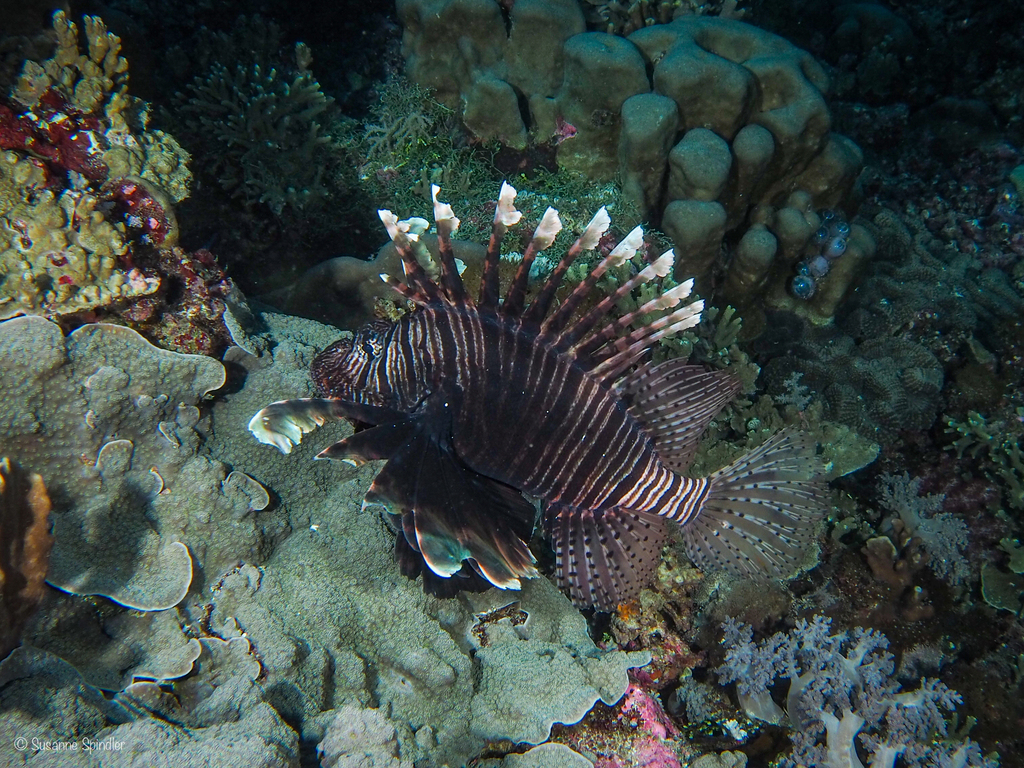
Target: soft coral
x,y
840,686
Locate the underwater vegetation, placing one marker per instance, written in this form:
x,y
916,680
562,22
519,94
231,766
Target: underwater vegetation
x,y
183,247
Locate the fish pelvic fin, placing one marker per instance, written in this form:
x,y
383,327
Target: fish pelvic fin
x,y
760,516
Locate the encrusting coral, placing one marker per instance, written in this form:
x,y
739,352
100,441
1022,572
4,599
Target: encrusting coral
x,y
82,182
113,437
25,543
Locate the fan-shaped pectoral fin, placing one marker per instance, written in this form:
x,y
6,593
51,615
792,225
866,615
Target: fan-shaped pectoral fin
x,y
452,514
282,424
380,442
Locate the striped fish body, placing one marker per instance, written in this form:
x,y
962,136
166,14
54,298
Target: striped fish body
x,y
530,417
474,403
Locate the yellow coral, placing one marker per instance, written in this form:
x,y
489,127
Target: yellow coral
x,y
86,80
58,255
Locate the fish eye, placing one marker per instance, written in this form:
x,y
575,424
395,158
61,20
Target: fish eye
x,y
369,349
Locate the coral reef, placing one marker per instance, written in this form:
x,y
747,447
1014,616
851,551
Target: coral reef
x,y
241,612
25,543
86,190
330,620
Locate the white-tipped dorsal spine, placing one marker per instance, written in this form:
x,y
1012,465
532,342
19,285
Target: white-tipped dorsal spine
x,y
447,223
505,216
624,250
415,276
595,229
543,236
505,212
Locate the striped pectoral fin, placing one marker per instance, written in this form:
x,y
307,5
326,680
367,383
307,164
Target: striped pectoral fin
x,y
762,513
604,558
452,515
282,424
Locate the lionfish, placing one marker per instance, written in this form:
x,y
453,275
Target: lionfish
x,y
475,403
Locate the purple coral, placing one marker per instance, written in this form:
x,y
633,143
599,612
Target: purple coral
x,y
842,690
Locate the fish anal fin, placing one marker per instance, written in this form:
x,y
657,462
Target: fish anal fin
x,y
604,558
675,402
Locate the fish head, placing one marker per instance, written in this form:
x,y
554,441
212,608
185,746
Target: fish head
x,y
353,368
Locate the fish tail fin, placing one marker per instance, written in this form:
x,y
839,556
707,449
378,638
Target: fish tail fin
x,y
760,515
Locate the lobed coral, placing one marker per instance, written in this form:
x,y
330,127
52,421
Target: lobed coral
x,y
718,130
59,254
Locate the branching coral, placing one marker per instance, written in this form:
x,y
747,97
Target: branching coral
x,y
996,443
261,131
90,81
